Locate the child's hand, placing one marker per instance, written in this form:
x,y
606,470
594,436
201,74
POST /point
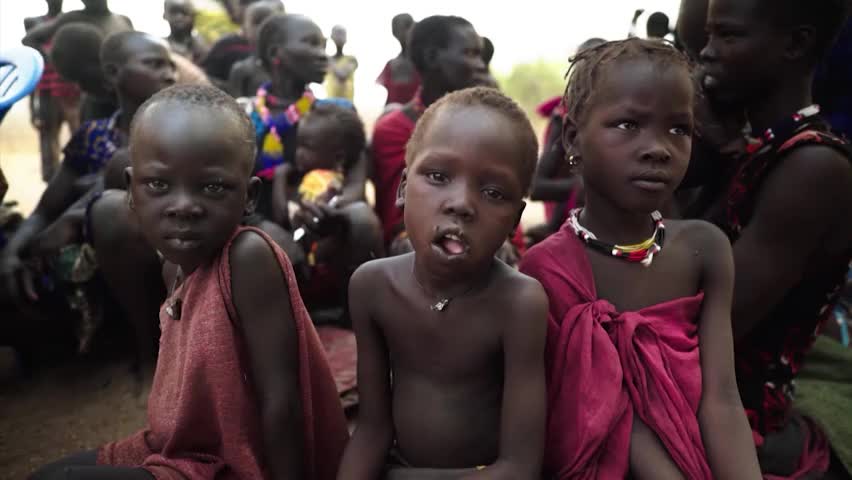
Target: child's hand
x,y
66,230
321,219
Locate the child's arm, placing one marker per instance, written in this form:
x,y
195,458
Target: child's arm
x,y
355,181
263,306
724,428
366,454
524,393
281,195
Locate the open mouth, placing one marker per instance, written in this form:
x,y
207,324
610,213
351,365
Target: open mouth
x,y
180,242
451,243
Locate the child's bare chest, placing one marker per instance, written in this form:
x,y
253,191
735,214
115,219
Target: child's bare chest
x,y
674,273
463,340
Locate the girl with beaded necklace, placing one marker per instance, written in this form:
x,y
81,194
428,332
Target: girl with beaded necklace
x,y
634,297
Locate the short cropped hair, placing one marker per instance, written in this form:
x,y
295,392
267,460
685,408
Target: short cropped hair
x,y
75,46
350,127
589,66
491,99
115,46
658,25
209,97
826,16
432,32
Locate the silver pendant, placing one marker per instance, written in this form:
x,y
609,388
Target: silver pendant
x,y
440,305
174,310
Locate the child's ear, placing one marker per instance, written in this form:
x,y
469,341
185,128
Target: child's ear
x,y
430,55
571,142
400,190
111,74
800,42
569,136
128,177
273,53
252,195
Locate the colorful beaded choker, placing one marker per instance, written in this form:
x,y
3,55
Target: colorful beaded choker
x,y
272,149
639,253
791,124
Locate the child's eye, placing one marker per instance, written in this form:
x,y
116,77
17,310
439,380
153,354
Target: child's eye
x,y
627,125
681,131
214,188
437,177
493,194
157,185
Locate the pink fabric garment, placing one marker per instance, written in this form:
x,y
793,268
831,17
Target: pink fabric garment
x,y
603,366
203,420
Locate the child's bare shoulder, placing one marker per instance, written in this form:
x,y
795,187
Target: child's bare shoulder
x,y
380,272
517,294
703,238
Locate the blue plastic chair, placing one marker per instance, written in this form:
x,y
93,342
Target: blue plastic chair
x,y
20,70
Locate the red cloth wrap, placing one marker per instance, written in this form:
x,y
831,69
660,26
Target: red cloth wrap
x,y
603,366
203,419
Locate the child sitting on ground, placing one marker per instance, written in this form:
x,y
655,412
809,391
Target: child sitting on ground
x,y
450,360
628,391
242,389
330,142
247,75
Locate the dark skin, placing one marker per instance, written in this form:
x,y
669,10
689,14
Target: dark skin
x,y
402,68
146,69
189,191
342,72
320,147
795,217
248,74
180,14
635,143
96,13
458,66
468,382
301,60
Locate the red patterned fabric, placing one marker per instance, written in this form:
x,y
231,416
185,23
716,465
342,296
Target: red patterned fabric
x,y
203,420
604,366
390,137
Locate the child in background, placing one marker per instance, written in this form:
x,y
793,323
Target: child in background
x,y
95,13
249,74
242,389
231,48
628,391
400,77
340,80
451,340
336,235
183,40
55,102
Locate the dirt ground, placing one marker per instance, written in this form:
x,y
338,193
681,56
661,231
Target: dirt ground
x,y
82,403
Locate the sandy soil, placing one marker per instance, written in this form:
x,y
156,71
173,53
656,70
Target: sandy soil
x,y
82,403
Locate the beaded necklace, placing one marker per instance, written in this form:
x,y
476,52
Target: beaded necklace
x,y
275,126
638,253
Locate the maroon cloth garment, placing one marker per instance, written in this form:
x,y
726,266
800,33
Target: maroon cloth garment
x,y
603,366
203,420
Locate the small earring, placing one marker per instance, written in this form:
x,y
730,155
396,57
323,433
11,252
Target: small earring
x,y
573,160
